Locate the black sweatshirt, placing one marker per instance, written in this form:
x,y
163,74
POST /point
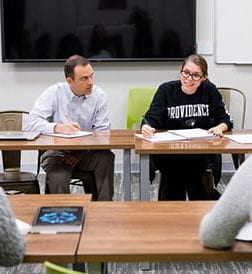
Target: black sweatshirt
x,y
171,108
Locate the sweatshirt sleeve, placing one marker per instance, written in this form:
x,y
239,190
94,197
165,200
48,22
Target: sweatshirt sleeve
x,y
220,226
12,244
156,114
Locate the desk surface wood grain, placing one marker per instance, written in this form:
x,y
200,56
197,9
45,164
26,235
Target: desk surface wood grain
x,y
194,146
107,139
59,248
150,231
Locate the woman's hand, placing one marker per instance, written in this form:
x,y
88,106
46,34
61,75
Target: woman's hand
x,y
218,130
147,130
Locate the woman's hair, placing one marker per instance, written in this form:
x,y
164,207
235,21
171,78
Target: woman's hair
x,y
199,61
72,62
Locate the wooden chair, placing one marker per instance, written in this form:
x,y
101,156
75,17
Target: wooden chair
x,y
13,180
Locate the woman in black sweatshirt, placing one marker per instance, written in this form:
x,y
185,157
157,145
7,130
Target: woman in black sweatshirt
x,y
191,102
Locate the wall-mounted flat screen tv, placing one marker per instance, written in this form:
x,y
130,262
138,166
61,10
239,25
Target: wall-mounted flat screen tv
x,y
101,30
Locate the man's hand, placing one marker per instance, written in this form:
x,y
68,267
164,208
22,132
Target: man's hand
x,y
67,128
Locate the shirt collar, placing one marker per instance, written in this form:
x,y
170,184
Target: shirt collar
x,y
72,97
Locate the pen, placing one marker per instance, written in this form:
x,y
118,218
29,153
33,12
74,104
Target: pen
x,y
74,124
145,121
68,118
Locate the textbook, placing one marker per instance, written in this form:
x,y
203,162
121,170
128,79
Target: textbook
x,y
178,135
72,135
58,219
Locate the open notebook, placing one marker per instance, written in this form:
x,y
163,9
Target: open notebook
x,y
18,135
178,135
72,135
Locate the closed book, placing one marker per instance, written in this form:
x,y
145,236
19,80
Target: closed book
x,y
63,219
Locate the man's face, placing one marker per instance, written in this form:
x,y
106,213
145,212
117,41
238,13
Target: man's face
x,y
82,83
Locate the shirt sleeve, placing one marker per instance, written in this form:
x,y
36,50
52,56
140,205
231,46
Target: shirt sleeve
x,y
39,117
220,226
101,117
12,244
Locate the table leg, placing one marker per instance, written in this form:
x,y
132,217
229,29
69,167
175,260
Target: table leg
x,y
127,174
144,191
97,268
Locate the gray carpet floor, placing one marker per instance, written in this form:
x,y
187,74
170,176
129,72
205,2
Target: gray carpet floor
x,y
157,267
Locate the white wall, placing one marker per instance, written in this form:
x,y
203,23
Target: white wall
x,y
21,84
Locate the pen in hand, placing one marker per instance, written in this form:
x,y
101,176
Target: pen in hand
x,y
147,130
145,120
74,125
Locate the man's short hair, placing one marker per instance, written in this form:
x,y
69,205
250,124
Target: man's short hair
x,y
72,62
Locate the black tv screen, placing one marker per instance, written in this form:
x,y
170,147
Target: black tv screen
x,y
101,30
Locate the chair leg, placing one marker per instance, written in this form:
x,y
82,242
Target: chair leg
x,y
238,159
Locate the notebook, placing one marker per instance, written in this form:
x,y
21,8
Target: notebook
x,y
18,135
178,135
73,135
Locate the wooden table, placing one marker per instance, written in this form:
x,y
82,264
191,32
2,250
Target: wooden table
x,y
202,146
110,139
150,231
59,248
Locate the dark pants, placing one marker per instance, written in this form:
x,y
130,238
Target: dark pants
x,y
101,162
181,174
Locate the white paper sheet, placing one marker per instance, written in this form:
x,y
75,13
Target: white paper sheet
x,y
23,227
245,233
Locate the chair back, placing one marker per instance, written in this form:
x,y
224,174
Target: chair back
x,y
235,102
56,269
11,120
139,100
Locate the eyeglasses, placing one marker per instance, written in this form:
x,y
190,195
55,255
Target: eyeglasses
x,y
194,76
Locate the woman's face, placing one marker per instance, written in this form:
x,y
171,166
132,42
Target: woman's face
x,y
191,77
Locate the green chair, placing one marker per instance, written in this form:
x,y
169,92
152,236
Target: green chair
x,y
56,269
139,100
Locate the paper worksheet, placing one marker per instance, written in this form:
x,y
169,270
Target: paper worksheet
x,y
23,227
240,138
161,137
245,233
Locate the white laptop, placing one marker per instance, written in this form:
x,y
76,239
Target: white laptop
x,y
18,135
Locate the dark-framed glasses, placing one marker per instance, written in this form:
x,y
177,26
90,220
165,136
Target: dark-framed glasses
x,y
195,76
